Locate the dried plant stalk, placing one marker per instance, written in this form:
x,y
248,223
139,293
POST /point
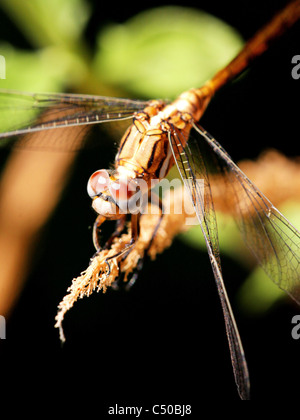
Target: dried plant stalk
x,y
98,276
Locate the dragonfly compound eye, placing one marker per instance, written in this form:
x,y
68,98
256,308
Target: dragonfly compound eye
x,y
122,189
98,183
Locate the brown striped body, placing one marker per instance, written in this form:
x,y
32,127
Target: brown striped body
x,y
145,149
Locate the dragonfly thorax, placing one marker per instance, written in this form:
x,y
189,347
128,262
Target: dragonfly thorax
x,y
145,147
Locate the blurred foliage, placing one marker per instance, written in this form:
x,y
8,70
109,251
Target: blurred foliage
x,y
57,57
258,293
47,23
164,51
157,53
36,74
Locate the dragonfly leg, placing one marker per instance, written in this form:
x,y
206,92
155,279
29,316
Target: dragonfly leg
x,y
155,200
96,230
135,230
122,255
119,229
158,202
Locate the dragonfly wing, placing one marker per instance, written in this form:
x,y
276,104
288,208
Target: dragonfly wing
x,y
270,236
194,173
22,113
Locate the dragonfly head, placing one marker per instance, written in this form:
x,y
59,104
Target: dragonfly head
x,y
114,194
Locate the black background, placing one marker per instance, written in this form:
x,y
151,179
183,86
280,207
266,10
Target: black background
x,y
164,341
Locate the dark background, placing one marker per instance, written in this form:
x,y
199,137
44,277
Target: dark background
x,y
164,341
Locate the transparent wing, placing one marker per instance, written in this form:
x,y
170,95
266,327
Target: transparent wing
x,y
194,173
269,235
22,113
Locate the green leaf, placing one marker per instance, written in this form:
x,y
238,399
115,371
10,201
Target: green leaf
x,y
45,70
52,22
162,52
258,293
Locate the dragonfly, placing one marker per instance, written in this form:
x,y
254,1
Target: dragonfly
x,y
160,136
